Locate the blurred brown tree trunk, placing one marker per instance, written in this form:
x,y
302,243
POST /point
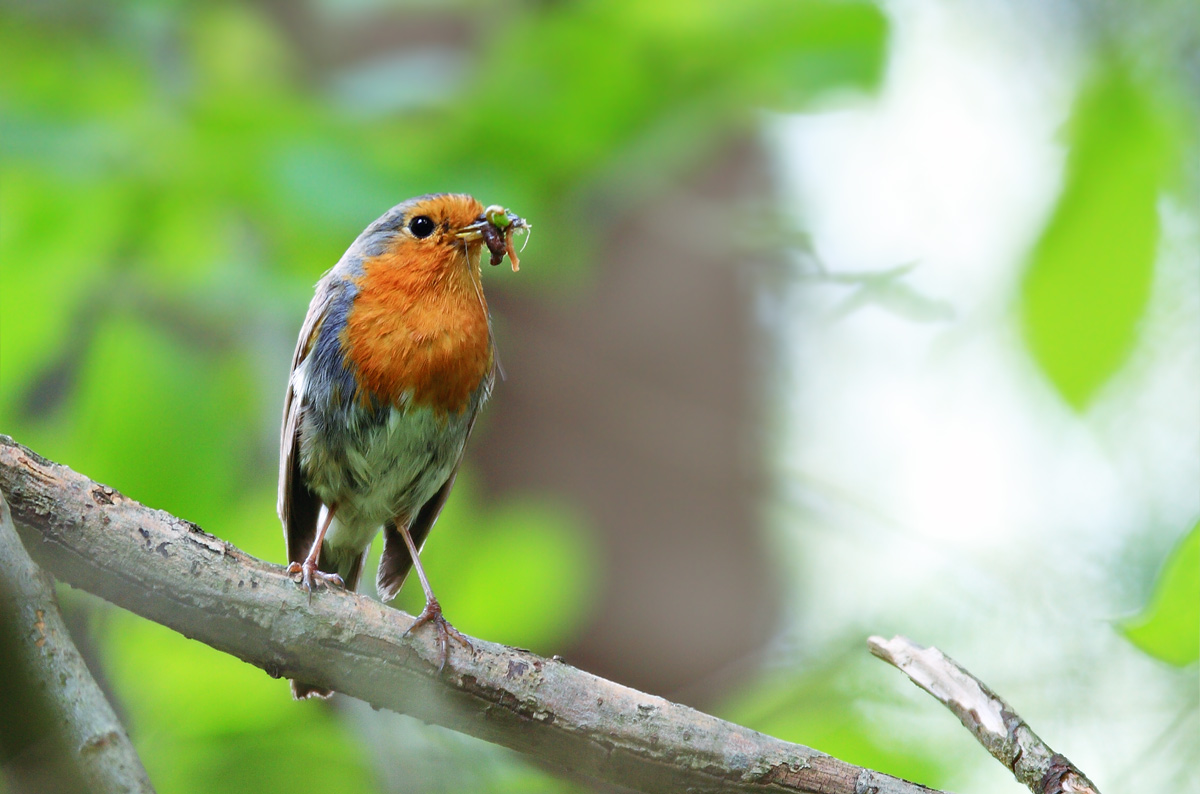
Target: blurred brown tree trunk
x,y
636,400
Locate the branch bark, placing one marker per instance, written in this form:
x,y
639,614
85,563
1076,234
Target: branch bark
x,y
59,733
172,572
986,715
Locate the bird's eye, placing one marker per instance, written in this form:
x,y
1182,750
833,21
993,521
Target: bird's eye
x,y
421,226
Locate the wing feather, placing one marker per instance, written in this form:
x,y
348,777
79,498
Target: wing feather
x,y
298,506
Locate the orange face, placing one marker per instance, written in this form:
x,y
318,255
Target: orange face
x,y
419,323
434,235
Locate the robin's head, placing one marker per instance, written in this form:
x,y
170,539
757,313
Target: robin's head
x,y
439,231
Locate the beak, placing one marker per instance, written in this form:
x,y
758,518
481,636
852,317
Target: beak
x,y
495,228
474,232
494,221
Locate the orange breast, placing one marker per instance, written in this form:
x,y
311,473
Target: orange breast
x,y
419,325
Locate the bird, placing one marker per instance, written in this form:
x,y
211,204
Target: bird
x,y
393,363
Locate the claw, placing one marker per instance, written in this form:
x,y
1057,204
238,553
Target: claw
x,y
312,579
432,614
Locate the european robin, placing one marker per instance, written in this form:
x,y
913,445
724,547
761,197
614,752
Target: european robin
x,y
395,358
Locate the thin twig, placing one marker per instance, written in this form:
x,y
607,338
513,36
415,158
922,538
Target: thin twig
x,y
59,732
172,572
986,715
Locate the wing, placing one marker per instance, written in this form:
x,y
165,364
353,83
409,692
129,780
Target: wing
x,y
298,506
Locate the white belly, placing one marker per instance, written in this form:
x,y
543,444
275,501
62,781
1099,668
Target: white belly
x,y
383,471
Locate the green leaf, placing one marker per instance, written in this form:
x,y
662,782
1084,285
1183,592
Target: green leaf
x,y
1169,627
1087,285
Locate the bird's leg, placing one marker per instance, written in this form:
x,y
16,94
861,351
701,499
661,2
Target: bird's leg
x,y
432,613
309,575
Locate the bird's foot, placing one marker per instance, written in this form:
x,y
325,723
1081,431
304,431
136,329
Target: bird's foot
x,y
312,579
432,614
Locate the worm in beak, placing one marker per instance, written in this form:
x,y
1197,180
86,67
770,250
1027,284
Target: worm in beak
x,y
495,228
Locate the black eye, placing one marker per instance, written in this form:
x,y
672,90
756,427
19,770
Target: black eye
x,y
421,226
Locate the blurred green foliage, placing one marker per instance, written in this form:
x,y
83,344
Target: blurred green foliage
x,y
202,719
1088,282
1169,627
519,551
175,178
828,705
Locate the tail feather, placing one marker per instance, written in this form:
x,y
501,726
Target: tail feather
x,y
348,567
394,565
305,691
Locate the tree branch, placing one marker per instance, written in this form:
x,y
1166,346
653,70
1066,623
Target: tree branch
x,y
992,721
59,732
172,572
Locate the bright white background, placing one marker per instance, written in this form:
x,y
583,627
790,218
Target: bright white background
x,y
934,483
